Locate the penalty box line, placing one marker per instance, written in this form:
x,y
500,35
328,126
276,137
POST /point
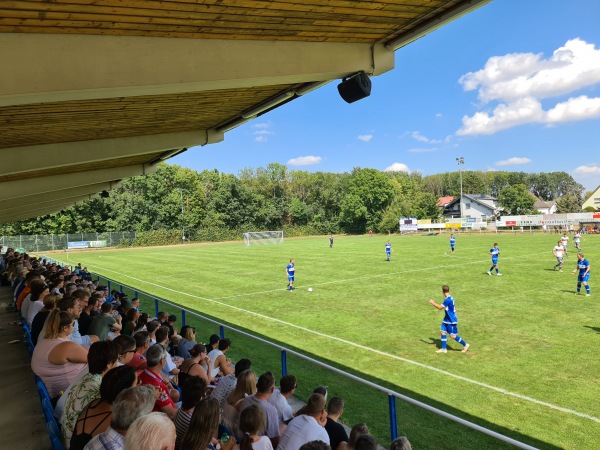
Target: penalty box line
x,y
371,349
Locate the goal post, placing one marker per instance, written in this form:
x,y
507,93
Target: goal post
x,y
263,238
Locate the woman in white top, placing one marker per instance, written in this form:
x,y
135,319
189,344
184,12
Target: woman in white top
x,y
218,362
252,421
39,290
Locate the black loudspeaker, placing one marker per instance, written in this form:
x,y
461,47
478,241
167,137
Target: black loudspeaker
x,y
355,88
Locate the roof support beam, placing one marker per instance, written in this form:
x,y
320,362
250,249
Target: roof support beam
x,y
24,159
65,195
62,67
26,187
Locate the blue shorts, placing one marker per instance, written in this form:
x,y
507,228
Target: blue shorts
x,y
495,261
291,278
452,246
581,279
449,328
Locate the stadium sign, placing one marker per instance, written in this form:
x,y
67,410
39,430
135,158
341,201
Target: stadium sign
x,y
98,244
408,224
547,219
78,244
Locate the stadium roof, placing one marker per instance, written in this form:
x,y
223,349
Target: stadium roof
x,y
92,92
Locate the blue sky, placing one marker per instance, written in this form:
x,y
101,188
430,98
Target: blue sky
x,y
512,86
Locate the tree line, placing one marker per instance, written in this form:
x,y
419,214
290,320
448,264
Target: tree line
x,y
217,205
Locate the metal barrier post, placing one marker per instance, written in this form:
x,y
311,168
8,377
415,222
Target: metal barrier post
x,y
108,284
182,317
393,422
121,288
283,363
156,306
222,331
135,293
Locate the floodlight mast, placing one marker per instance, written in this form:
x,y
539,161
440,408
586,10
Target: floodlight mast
x,y
182,212
461,162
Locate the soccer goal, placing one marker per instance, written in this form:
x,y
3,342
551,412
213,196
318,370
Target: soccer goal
x,y
263,238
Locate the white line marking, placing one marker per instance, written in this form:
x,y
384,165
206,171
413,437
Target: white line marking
x,y
354,344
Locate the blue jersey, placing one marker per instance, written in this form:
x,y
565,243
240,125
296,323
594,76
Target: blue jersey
x,y
448,305
583,265
495,252
388,248
452,241
290,269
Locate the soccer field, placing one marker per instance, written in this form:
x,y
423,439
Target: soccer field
x,y
531,370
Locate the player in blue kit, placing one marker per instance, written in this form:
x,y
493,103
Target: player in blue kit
x,y
452,242
388,250
584,273
450,322
290,270
495,252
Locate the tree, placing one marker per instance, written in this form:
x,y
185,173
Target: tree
x,y
517,200
568,204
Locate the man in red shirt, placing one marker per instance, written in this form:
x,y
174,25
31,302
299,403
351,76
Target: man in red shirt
x,y
156,357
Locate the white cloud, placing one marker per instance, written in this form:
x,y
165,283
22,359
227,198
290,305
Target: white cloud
x,y
262,125
261,138
417,136
439,115
262,131
519,81
365,137
592,169
304,161
513,161
397,167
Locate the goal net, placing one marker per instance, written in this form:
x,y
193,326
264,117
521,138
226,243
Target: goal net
x,y
263,238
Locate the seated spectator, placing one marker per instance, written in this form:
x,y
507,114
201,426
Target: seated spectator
x,y
56,359
156,357
264,389
196,366
218,362
188,340
245,386
140,324
40,318
252,422
130,324
102,357
318,390
86,316
193,390
315,445
204,426
335,430
279,399
35,303
402,443
127,349
142,344
128,406
73,306
151,328
365,442
171,367
31,275
306,427
357,430
102,324
154,431
227,383
213,343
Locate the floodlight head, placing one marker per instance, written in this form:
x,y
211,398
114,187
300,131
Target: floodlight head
x,y
355,88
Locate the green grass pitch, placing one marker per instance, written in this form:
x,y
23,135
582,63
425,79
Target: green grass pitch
x,y
532,368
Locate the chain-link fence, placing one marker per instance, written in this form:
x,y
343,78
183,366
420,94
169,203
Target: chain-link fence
x,y
48,242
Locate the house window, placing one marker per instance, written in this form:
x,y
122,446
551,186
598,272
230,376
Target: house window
x,y
467,205
597,201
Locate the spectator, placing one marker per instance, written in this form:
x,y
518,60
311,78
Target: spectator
x,y
213,342
131,318
86,316
96,418
227,383
264,389
29,278
151,328
102,357
196,366
32,305
218,361
402,443
252,422
127,349
142,344
154,431
40,318
140,325
188,341
315,445
156,358
72,306
335,430
171,367
193,390
357,430
245,386
204,426
306,427
103,323
130,405
280,397
56,359
365,442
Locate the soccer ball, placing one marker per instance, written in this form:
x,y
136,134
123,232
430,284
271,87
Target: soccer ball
x,y
309,289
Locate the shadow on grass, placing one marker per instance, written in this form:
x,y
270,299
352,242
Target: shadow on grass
x,y
438,344
596,329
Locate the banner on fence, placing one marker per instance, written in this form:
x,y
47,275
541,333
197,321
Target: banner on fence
x,y
408,224
78,244
98,244
547,219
